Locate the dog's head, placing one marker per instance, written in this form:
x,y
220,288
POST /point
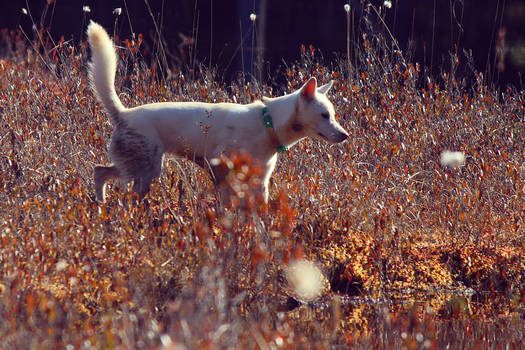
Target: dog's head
x,y
315,114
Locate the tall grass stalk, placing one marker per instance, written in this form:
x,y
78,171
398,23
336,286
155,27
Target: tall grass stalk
x,y
347,9
159,52
211,33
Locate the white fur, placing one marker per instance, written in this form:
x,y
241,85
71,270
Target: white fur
x,y
102,68
200,131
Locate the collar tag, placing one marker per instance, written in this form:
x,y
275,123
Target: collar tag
x,y
267,118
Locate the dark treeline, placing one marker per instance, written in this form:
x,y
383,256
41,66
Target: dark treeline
x,y
211,31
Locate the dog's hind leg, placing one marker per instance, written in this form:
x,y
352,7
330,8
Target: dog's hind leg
x,y
139,158
101,175
141,186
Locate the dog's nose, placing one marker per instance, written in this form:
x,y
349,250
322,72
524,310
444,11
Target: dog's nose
x,y
342,136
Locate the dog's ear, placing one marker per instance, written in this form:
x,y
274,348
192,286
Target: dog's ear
x,y
325,88
308,89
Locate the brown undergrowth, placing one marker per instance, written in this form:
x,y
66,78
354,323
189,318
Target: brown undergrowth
x,y
412,252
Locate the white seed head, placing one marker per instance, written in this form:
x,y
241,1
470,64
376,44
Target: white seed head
x,y
86,8
306,279
419,337
61,265
24,11
387,4
347,7
253,17
279,341
117,11
166,341
452,159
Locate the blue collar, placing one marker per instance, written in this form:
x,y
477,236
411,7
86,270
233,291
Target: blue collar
x,y
271,131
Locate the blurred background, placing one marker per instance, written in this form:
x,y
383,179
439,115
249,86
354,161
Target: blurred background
x,y
223,34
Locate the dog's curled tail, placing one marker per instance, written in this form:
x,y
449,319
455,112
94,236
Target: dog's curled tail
x,y
102,69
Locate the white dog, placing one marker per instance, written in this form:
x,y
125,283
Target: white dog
x,y
201,131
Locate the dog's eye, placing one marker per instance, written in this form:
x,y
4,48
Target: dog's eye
x,y
325,115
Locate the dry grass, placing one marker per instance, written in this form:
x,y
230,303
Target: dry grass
x,y
378,213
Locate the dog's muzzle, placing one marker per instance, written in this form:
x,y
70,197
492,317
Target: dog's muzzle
x,y
335,137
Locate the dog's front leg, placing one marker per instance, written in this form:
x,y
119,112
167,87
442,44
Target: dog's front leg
x,y
265,192
267,174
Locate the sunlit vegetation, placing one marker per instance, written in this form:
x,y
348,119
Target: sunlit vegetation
x,y
413,253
